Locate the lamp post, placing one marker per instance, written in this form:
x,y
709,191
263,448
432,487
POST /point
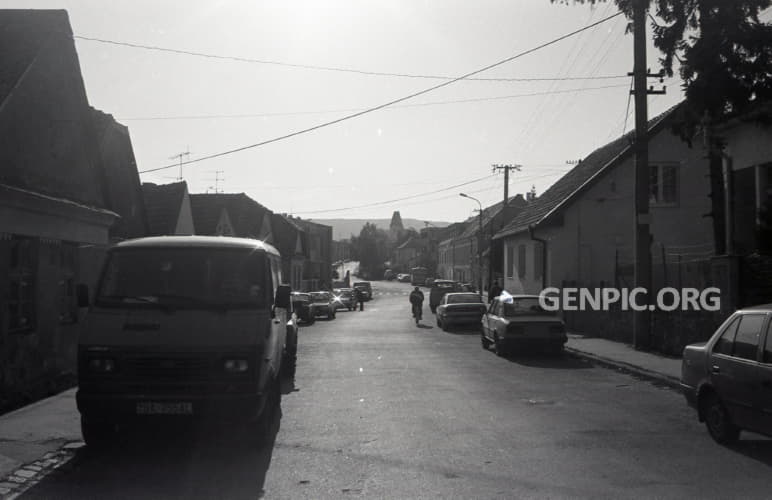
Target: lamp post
x,y
479,244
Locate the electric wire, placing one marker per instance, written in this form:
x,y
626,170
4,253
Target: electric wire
x,y
332,68
349,110
390,103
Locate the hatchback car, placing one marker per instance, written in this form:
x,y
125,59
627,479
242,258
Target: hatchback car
x,y
324,304
520,323
728,379
459,308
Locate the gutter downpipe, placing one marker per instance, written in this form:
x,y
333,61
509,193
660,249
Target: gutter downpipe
x,y
543,242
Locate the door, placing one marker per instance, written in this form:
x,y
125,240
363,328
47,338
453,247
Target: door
x,y
764,394
734,368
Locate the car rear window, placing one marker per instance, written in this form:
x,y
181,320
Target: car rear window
x,y
464,298
443,285
525,306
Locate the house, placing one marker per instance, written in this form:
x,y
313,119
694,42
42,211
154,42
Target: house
x,y
289,239
446,250
317,268
231,214
120,179
168,209
460,252
580,232
411,253
54,216
747,162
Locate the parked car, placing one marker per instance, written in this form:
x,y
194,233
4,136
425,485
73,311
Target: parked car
x,y
458,308
429,282
344,298
324,304
520,323
403,278
465,287
303,307
388,275
728,379
438,290
365,287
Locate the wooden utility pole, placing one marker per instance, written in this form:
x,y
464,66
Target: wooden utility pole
x,y
506,169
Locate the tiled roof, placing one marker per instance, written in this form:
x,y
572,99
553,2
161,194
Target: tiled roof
x,y
572,182
23,33
162,205
245,214
285,233
489,213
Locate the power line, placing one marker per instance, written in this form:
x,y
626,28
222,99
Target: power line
x,y
390,103
388,202
332,68
399,199
416,105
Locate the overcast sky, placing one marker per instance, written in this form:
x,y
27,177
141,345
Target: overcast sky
x,y
174,102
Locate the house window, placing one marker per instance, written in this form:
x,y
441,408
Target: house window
x,y
21,280
521,261
510,261
663,184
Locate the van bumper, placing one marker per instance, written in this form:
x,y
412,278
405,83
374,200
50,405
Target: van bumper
x,y
118,407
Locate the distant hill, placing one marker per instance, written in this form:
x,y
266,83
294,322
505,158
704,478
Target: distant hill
x,y
343,228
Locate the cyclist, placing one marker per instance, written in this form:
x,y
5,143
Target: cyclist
x,y
417,301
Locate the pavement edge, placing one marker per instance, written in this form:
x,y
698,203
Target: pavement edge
x,y
28,475
670,382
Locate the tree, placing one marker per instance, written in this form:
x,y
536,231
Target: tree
x,y
372,249
724,53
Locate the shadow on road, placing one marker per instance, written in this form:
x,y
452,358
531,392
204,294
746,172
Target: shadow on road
x,y
539,360
425,327
756,447
169,461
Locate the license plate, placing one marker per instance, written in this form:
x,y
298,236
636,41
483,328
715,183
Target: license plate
x,y
165,408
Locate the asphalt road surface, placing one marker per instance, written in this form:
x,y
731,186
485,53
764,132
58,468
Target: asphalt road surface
x,y
381,408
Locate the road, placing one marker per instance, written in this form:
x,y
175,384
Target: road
x,y
381,408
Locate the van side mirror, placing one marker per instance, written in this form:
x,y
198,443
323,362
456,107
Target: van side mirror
x,y
283,296
81,293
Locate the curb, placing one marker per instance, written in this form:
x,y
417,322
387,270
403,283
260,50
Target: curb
x,y
28,475
661,378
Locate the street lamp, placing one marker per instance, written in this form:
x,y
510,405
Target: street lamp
x,y
479,244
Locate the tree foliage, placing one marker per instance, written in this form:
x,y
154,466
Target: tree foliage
x,y
371,248
722,51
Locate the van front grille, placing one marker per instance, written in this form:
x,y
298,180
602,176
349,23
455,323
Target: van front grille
x,y
169,367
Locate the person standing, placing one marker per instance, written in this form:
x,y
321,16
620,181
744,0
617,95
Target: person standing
x,y
494,291
360,296
417,301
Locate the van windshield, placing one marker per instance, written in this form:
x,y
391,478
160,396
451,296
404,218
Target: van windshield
x,y
184,278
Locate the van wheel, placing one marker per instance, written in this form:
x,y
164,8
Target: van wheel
x,y
97,433
497,347
261,432
718,421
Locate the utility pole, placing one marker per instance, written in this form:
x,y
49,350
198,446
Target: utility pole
x,y
503,216
642,221
479,244
180,156
506,169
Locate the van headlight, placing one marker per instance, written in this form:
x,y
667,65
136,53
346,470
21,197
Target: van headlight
x,y
235,365
101,365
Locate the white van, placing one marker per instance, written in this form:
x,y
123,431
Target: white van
x,y
184,327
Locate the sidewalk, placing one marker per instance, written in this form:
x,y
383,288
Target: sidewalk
x,y
612,354
32,440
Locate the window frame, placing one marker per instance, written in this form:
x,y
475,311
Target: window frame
x,y
760,331
657,169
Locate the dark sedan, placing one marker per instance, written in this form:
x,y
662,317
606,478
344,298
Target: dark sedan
x,y
303,307
324,304
460,308
728,379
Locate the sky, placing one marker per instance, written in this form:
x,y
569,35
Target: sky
x,y
175,103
